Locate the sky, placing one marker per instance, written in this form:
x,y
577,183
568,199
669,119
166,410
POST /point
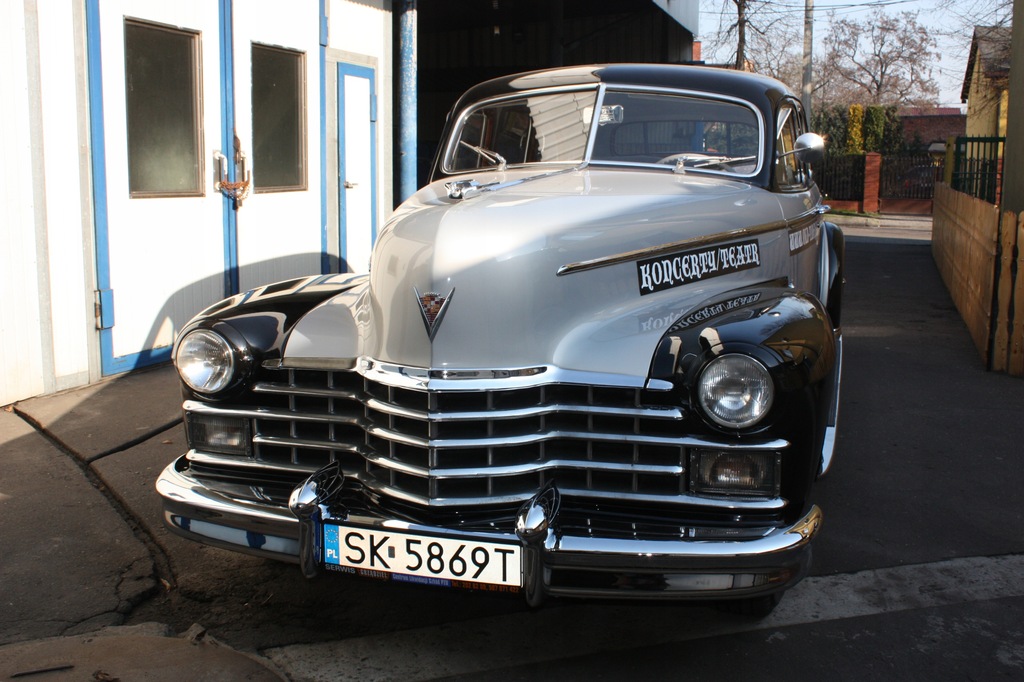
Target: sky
x,y
948,72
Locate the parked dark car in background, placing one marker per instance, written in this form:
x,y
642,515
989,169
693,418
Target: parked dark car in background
x,y
598,355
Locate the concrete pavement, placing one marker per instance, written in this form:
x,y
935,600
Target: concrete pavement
x,y
78,518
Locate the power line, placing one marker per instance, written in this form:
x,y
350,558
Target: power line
x,y
789,8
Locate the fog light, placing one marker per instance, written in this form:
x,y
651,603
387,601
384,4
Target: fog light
x,y
214,433
740,472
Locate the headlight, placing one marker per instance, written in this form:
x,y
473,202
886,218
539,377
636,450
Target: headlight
x,y
205,361
735,391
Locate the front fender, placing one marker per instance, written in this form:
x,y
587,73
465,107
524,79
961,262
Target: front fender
x,y
789,331
258,322
834,257
791,334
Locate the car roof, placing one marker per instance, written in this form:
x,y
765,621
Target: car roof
x,y
748,86
761,92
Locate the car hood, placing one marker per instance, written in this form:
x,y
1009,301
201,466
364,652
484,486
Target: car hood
x,y
495,256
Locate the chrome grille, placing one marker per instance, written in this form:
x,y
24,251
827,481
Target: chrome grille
x,y
455,448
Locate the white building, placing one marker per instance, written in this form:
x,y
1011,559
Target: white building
x,y
123,117
129,123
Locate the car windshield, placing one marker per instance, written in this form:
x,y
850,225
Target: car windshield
x,y
683,132
545,128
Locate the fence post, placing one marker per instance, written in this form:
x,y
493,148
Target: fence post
x,y
872,181
951,156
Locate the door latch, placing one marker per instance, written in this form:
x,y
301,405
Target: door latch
x,y
238,190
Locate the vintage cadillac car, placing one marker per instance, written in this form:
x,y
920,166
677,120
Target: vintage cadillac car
x,y
598,355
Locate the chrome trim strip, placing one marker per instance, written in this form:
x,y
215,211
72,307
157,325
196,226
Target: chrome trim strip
x,y
672,413
274,388
685,499
278,441
806,218
331,364
246,464
653,251
667,413
483,473
787,539
466,374
392,410
395,437
529,439
264,413
681,499
419,378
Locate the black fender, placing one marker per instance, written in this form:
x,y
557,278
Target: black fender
x,y
791,333
836,258
257,321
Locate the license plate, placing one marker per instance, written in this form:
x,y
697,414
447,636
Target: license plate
x,y
409,557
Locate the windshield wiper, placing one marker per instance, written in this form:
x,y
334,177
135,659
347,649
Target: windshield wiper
x,y
492,156
723,161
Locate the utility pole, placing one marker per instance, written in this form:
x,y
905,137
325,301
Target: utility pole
x,y
805,96
407,123
741,34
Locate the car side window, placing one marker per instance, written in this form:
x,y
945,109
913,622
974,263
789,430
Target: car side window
x,y
790,174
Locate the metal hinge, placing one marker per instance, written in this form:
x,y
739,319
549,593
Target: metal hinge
x,y
104,308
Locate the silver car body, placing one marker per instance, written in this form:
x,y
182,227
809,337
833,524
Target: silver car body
x,y
495,378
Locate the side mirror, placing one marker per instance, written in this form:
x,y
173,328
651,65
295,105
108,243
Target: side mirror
x,y
809,148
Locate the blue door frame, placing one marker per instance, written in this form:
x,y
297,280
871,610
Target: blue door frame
x,y
346,69
111,364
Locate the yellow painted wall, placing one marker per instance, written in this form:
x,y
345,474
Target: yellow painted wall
x,y
986,106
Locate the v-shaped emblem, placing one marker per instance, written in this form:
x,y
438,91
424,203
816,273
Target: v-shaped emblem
x,y
432,307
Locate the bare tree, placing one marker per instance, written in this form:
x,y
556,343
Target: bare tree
x,y
884,60
745,37
963,16
777,54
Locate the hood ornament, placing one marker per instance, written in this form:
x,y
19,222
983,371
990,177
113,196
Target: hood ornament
x,y
432,307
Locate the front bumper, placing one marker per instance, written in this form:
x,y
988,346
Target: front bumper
x,y
554,563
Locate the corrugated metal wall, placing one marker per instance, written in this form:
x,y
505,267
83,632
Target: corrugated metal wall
x,y
462,44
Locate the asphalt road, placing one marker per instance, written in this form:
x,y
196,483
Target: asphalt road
x,y
917,574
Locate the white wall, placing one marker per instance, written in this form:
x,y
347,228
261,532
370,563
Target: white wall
x,y
68,215
21,358
48,340
361,32
44,306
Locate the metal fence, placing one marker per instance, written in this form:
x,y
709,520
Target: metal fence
x,y
841,176
978,167
909,176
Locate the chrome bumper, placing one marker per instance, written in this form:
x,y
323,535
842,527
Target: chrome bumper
x,y
554,563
